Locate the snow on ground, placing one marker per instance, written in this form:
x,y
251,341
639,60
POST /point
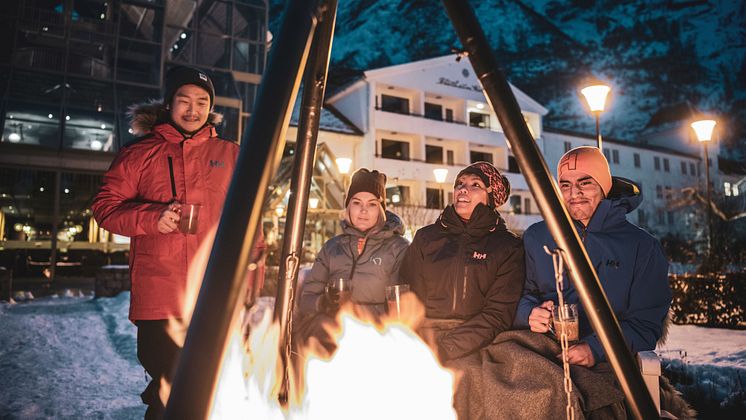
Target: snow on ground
x,y
75,357
69,357
705,346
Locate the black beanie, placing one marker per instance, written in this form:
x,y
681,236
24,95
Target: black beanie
x,y
182,75
373,182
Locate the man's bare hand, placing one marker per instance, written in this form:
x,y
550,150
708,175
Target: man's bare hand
x,y
169,220
580,354
540,317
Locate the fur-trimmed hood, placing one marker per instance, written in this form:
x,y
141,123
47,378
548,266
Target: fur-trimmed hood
x,y
144,116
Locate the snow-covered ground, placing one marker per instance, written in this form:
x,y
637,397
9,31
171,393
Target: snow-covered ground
x,y
75,357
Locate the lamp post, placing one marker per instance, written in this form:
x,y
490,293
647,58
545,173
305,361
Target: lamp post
x,y
595,95
441,174
703,129
344,165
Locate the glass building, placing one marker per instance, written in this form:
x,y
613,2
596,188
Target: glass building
x,y
69,71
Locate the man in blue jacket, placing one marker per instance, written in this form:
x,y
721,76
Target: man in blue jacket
x,y
629,261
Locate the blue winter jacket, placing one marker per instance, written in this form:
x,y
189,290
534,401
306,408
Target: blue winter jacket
x,y
630,264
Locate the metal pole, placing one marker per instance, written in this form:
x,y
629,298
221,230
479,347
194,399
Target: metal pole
x,y
709,205
314,83
537,175
224,284
598,130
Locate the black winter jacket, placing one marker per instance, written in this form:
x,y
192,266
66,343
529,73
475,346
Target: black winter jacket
x,y
467,271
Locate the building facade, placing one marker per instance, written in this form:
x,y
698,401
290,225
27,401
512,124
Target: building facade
x,y
69,71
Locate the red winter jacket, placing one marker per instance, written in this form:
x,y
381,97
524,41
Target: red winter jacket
x,y
137,189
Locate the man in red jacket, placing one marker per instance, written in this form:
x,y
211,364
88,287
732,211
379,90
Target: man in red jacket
x,y
179,160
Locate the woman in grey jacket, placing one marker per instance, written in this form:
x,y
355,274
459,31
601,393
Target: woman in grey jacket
x,y
368,252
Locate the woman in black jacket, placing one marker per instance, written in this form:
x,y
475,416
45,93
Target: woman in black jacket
x,y
467,267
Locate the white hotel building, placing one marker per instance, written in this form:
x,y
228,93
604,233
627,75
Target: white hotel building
x,y
411,119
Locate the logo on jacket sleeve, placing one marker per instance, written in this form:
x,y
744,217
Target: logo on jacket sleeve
x,y
377,260
479,256
217,163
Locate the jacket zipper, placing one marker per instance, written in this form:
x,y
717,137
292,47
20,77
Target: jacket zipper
x,y
463,293
455,283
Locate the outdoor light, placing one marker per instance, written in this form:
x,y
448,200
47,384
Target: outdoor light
x,y
67,191
279,211
440,175
96,145
480,105
344,165
395,198
50,116
99,108
595,95
18,227
14,137
41,189
67,117
313,202
103,126
703,129
183,35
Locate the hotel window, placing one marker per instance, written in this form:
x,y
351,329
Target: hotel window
x,y
515,204
434,198
395,104
433,111
665,165
527,205
480,156
657,163
513,167
692,169
449,157
433,154
607,156
393,149
398,195
615,156
477,119
669,214
449,115
659,191
726,188
636,158
568,146
669,193
683,167
661,217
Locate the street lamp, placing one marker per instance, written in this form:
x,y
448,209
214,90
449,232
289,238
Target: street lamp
x,y
595,95
344,165
440,177
703,129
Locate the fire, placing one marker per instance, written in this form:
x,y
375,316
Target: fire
x,y
379,370
383,371
378,375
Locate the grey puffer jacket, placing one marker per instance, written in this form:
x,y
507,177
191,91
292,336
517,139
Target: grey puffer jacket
x,y
371,271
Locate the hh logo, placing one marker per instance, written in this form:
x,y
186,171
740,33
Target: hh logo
x,y
479,256
217,164
377,260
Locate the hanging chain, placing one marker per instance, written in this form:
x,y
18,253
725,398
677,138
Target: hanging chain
x,y
557,262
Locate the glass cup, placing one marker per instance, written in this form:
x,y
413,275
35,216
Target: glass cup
x,y
339,290
394,298
189,218
565,318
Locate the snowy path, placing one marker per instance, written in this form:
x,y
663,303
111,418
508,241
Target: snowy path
x,y
69,358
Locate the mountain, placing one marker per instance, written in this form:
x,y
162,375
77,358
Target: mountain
x,y
655,53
